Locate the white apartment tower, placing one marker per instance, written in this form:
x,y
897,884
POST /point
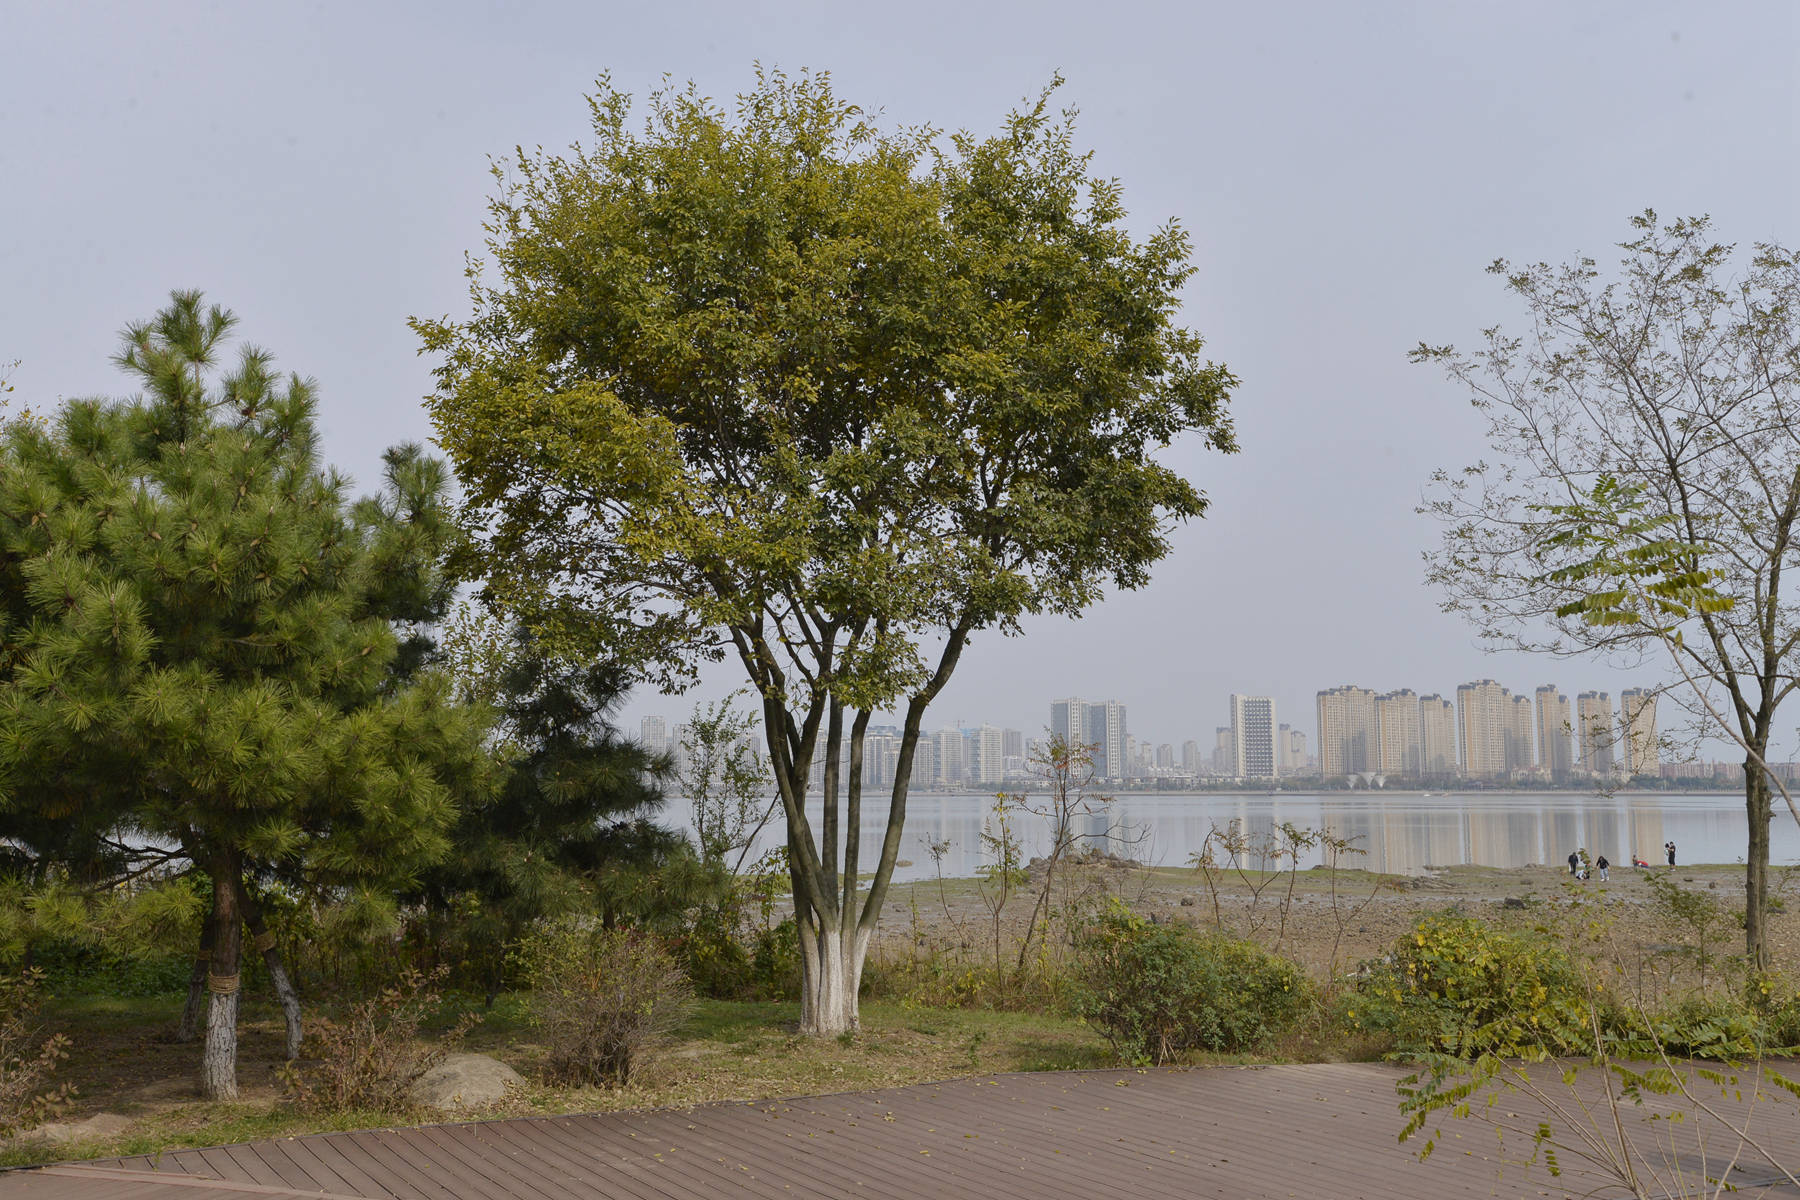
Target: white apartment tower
x,y
1437,736
1519,731
1107,734
1253,728
1594,733
1553,726
1402,738
1296,749
1637,721
1483,719
1349,731
1068,720
653,735
989,746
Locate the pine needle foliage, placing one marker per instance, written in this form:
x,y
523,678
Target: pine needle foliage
x,y
205,643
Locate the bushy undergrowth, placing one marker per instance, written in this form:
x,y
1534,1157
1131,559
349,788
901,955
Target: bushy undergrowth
x,y
1157,991
369,1059
27,1057
725,964
602,998
1455,985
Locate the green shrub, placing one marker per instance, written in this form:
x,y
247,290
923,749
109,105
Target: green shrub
x,y
1456,986
1157,991
724,966
602,997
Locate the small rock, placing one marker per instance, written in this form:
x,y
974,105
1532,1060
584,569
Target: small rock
x,y
464,1081
1512,902
100,1125
1188,902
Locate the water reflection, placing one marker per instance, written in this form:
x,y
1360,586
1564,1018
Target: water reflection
x,y
1397,833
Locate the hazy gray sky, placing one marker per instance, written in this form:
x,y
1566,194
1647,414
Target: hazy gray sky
x,y
1346,171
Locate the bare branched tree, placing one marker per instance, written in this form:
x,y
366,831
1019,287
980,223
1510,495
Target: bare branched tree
x,y
1673,386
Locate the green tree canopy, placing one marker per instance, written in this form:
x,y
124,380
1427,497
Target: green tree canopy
x,y
202,638
781,385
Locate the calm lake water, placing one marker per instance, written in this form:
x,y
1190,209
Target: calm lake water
x,y
1399,832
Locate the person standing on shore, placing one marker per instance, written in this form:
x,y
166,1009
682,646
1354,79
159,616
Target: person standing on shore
x,y
1575,864
1670,847
1602,864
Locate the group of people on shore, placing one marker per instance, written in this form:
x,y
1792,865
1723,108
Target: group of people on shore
x,y
1580,866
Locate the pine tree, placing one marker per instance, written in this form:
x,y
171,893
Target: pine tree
x,y
570,826
202,640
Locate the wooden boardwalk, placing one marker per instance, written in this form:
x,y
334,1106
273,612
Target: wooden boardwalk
x,y
1317,1132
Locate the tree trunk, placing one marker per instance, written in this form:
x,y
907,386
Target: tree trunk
x,y
264,943
828,1005
1758,808
189,1029
218,1058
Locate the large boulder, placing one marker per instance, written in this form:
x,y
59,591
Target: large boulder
x,y
465,1081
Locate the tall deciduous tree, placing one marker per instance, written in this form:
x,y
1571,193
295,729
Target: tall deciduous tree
x,y
829,399
201,640
1646,482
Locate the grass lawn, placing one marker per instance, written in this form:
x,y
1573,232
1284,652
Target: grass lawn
x,y
124,1061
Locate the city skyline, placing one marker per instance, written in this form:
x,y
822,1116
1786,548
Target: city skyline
x,y
1488,734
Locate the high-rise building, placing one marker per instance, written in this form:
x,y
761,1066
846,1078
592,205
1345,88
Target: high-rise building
x,y
1553,726
985,760
1224,757
1402,738
1253,737
1519,733
1349,731
1068,721
925,765
1437,736
1107,734
1190,756
1637,721
1012,743
1296,750
653,735
951,757
1165,757
1483,719
1594,733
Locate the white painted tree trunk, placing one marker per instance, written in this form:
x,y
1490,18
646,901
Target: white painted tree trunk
x,y
218,1054
830,978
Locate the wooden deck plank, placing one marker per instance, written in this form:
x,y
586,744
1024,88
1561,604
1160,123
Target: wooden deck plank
x,y
499,1176
564,1156
1309,1131
738,1140
621,1159
349,1162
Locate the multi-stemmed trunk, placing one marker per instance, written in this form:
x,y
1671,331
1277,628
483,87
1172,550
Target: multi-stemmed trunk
x,y
215,983
834,915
